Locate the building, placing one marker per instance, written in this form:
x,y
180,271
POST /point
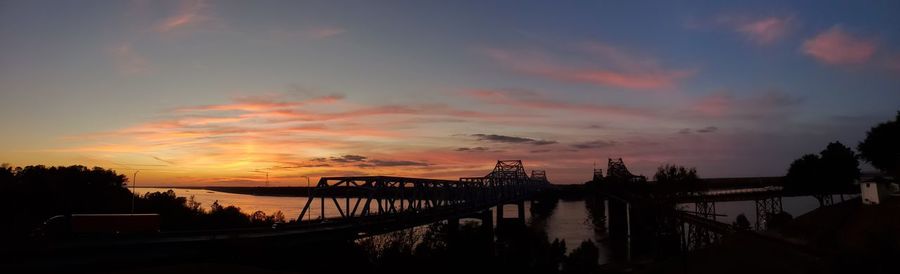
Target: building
x,y
874,192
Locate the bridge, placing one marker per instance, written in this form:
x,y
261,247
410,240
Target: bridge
x,y
637,209
354,207
374,204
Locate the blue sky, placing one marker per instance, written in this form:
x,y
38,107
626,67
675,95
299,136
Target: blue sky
x,y
204,92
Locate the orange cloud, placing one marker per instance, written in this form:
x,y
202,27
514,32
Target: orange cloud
x,y
610,67
838,47
274,132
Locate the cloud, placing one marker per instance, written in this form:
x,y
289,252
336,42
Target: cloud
x,y
512,139
394,163
189,13
836,46
348,158
761,30
473,149
708,129
763,104
163,160
288,133
534,101
893,63
128,61
607,66
312,33
362,161
323,32
765,31
594,144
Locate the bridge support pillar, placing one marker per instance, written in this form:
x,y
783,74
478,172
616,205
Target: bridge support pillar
x,y
765,208
453,229
521,206
487,223
519,219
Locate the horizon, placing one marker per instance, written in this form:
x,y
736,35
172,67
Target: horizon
x,y
203,93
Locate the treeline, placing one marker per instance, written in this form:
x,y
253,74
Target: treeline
x,y
516,250
32,194
836,168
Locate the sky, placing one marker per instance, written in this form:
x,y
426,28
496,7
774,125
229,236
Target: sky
x,y
228,92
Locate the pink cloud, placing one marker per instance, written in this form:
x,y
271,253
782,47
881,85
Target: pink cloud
x,y
765,31
762,30
767,104
838,47
893,63
189,13
534,101
609,66
128,61
314,33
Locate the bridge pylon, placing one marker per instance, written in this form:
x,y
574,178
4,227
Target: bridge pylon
x,y
766,208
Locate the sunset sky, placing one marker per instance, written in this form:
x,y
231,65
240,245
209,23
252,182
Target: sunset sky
x,y
223,92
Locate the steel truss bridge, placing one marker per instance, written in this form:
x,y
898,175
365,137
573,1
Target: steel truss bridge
x,y
699,226
373,204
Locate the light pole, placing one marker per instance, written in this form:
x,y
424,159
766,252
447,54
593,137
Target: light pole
x,y
133,184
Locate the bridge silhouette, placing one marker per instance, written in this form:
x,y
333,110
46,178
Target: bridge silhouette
x,y
375,204
632,204
364,206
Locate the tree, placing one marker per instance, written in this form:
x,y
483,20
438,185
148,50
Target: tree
x,y
804,172
258,217
741,222
839,165
677,176
834,169
881,148
583,259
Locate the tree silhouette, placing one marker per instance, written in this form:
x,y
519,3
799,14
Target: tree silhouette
x,y
583,259
881,148
674,176
32,194
834,169
804,172
840,166
741,222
